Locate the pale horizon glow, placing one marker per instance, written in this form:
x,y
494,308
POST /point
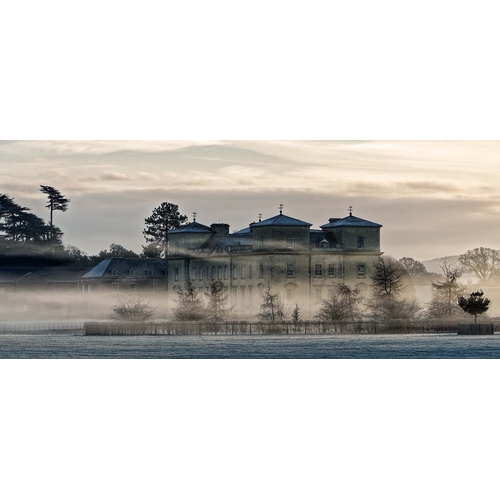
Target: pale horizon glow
x,y
434,198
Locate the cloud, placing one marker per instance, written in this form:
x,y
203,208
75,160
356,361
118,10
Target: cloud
x,y
114,176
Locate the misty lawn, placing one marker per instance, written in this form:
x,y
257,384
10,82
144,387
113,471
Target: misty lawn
x,y
74,344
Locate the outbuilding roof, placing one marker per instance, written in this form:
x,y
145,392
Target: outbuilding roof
x,y
350,221
280,220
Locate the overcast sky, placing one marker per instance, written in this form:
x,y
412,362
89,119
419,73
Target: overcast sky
x,y
433,198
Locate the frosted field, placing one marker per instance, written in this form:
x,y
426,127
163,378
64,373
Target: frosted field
x,y
74,344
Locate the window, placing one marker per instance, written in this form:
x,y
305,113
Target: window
x,y
250,296
250,272
289,294
114,273
318,294
319,271
235,272
261,271
114,287
261,242
331,270
243,271
242,294
133,287
340,271
131,273
149,273
235,297
361,242
151,287
193,274
289,270
289,241
219,272
176,274
212,275
226,272
200,275
361,271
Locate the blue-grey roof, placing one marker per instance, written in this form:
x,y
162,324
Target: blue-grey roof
x,y
123,267
350,221
280,220
98,270
246,230
192,227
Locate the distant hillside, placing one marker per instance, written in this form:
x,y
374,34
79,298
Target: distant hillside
x,y
434,265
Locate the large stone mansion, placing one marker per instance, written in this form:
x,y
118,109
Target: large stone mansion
x,y
298,262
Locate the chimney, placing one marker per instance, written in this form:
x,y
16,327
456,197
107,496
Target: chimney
x,y
333,219
220,229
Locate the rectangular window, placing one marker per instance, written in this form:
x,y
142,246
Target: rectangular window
x,y
319,270
361,242
200,276
340,271
149,273
193,274
219,272
250,296
114,273
243,271
261,271
289,270
235,297
226,272
262,242
235,272
176,274
318,295
250,272
151,287
361,271
331,270
242,294
289,241
212,274
131,273
114,287
289,294
133,287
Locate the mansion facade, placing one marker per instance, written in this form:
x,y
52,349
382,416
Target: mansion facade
x,y
299,263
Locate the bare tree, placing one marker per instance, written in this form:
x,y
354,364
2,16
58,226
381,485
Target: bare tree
x,y
132,309
413,267
271,308
342,304
483,262
217,299
388,278
445,292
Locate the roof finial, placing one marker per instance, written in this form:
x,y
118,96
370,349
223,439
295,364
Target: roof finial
x,y
281,208
194,216
350,210
260,217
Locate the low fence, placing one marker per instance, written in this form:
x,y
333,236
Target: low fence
x,y
278,328
38,327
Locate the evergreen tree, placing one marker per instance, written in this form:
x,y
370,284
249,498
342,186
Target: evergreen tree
x,y
190,306
476,303
56,202
162,220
